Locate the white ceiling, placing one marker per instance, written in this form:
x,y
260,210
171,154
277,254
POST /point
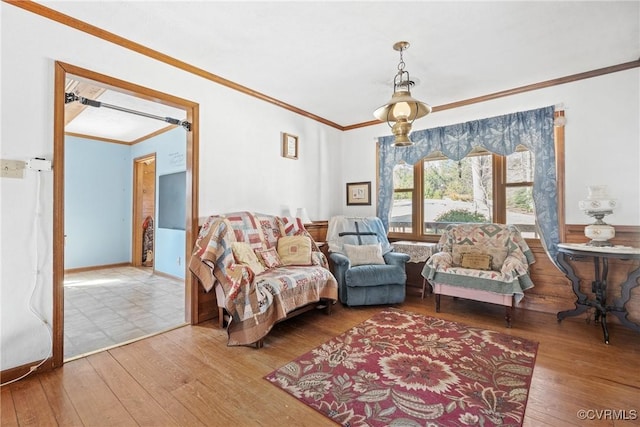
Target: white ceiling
x,y
335,59
115,125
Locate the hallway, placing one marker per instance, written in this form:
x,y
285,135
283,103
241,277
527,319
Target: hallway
x,y
111,306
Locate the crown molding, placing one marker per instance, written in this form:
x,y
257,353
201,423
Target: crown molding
x,y
69,21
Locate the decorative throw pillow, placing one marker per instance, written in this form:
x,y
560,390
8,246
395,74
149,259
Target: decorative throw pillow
x,y
269,257
243,254
295,250
476,261
364,254
270,229
498,255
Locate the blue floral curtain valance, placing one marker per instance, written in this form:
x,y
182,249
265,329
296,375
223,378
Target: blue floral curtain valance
x,y
500,135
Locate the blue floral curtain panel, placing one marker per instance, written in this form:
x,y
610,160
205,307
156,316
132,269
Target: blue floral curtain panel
x,y
500,135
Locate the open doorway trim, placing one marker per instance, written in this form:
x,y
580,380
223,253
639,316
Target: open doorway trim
x,y
192,112
139,207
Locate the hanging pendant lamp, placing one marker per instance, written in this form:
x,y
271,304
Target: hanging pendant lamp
x,y
402,110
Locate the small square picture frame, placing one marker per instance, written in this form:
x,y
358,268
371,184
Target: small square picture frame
x,y
289,146
359,193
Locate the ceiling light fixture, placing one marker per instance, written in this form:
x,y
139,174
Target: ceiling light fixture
x,y
402,110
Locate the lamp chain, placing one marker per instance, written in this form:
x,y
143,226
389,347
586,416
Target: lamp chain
x,y
401,64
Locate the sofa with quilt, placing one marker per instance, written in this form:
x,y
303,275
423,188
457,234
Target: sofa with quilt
x,y
264,268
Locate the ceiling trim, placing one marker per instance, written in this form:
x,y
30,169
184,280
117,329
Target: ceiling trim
x,y
98,138
77,24
544,84
521,89
152,134
61,18
120,141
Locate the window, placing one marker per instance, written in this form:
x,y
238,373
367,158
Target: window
x,y
482,187
518,192
402,207
509,196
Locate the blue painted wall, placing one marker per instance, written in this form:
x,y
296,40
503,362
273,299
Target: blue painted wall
x,y
98,201
170,148
98,184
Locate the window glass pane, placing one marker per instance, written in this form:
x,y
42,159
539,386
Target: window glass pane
x,y
401,212
402,207
457,192
402,176
520,210
520,167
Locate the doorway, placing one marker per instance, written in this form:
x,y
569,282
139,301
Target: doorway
x,y
144,210
62,71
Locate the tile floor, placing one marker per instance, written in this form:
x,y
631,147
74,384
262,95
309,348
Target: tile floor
x,y
106,307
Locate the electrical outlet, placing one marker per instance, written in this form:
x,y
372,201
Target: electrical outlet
x,y
12,169
39,164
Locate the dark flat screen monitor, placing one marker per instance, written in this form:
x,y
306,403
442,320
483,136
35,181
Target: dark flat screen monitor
x,y
172,201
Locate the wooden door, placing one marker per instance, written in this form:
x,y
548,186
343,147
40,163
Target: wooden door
x,y
144,208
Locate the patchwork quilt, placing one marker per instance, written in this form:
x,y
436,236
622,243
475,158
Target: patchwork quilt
x,y
508,251
256,302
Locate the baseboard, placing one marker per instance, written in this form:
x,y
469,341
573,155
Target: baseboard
x,y
39,366
167,275
96,267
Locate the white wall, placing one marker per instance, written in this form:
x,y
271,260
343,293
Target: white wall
x,y
240,162
602,140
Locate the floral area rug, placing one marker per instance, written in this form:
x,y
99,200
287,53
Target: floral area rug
x,y
404,369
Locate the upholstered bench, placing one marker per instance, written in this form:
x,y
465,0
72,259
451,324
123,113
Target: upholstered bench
x,y
482,262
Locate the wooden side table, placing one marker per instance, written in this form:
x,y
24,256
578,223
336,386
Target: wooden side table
x,y
317,230
419,252
601,256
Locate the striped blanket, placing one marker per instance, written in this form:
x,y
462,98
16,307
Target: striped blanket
x,y
256,302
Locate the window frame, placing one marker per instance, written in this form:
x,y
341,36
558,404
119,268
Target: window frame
x,y
499,192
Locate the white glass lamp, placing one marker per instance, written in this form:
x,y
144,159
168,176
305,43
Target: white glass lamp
x,y
303,215
597,205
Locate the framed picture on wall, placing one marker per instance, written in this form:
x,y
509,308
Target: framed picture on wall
x,y
289,146
358,193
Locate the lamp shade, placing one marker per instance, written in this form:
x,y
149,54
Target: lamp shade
x,y
402,106
401,111
303,215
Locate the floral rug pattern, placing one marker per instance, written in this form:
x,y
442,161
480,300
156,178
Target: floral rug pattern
x,y
405,369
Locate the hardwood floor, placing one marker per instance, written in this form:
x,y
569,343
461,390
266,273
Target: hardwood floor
x,y
188,376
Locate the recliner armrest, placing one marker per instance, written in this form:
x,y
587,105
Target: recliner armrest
x,y
396,258
340,259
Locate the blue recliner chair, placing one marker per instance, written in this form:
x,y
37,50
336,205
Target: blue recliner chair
x,y
367,271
